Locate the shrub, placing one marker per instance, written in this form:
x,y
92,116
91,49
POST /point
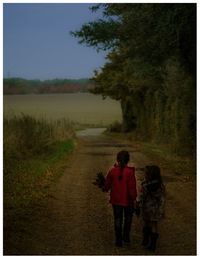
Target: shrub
x,y
116,126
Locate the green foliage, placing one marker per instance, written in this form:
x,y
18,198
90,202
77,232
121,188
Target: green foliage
x,y
100,34
151,68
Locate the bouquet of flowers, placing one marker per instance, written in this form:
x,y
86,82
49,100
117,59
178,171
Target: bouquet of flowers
x,y
99,181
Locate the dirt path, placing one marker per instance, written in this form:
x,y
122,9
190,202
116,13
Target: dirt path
x,y
78,219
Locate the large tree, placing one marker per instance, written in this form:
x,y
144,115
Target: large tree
x,y
151,66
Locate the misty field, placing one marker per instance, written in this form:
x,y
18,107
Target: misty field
x,y
82,108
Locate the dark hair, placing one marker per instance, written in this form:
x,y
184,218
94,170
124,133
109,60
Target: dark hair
x,y
122,159
153,173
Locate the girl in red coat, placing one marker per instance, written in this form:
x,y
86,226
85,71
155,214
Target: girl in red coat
x,y
121,182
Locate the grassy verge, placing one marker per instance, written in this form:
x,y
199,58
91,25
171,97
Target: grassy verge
x,y
169,160
36,153
32,178
162,155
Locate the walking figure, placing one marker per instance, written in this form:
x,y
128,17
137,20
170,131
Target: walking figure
x,y
121,182
152,200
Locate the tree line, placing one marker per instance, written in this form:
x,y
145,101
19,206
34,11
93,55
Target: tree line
x,y
24,86
150,68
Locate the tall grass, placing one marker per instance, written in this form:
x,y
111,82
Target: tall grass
x,y
26,137
35,153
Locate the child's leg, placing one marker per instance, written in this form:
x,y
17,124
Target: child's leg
x,y
127,223
154,236
146,233
118,219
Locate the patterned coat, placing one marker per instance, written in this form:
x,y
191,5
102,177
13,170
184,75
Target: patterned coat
x,y
152,198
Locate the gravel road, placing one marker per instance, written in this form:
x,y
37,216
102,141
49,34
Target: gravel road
x,y
78,219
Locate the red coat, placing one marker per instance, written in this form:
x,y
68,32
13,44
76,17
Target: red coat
x,y
123,192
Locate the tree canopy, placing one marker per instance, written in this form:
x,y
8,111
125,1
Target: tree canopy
x,y
151,65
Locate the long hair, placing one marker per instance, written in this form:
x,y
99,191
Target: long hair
x,y
122,159
153,173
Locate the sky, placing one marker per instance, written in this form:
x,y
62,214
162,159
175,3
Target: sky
x,y
37,43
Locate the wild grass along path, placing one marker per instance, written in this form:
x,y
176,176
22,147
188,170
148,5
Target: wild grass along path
x,y
78,220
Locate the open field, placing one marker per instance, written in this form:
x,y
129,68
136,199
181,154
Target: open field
x,y
83,108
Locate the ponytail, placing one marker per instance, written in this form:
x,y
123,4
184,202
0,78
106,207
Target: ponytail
x,y
122,159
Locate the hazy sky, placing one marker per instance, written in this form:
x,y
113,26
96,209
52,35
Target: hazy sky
x,y
37,43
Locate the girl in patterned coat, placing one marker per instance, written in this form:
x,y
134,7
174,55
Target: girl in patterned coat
x,y
152,200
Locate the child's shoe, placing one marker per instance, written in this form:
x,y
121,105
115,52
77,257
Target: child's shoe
x,y
126,239
146,235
